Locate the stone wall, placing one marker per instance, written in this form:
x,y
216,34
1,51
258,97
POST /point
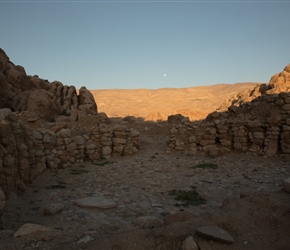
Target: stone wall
x,y
26,152
261,127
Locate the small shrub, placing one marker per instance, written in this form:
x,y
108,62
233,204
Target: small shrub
x,y
187,197
206,165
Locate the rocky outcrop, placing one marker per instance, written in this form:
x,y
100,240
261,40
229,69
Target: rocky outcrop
x,y
36,137
87,101
280,82
20,92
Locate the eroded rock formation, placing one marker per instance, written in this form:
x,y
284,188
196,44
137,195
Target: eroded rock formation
x,y
20,92
35,133
280,82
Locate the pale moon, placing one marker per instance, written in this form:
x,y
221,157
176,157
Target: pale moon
x,y
164,75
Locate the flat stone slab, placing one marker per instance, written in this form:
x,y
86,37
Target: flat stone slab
x,y
95,202
215,233
30,228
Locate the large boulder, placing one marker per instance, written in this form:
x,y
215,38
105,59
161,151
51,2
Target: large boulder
x,y
87,101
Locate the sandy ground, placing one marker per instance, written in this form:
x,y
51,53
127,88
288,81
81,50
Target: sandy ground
x,y
244,196
195,102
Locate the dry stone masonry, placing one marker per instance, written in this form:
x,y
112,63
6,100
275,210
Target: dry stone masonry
x,y
26,152
34,135
261,127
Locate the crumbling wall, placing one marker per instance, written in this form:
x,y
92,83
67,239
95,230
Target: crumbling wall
x,y
261,127
26,152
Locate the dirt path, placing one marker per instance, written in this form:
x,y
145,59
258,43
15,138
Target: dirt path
x,y
243,196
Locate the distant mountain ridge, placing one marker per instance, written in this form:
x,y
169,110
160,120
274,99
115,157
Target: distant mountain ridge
x,y
158,104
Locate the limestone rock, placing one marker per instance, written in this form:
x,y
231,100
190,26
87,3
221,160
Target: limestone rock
x,y
30,228
106,150
189,244
87,101
85,239
134,132
53,208
272,148
95,202
215,233
280,82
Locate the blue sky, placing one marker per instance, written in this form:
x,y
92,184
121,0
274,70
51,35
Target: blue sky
x,y
132,44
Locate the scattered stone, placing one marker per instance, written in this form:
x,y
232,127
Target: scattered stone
x,y
215,233
155,201
189,244
95,202
53,208
147,222
37,135
32,117
30,228
85,239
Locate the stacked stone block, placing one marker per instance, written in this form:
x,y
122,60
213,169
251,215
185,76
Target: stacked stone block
x,y
25,152
261,127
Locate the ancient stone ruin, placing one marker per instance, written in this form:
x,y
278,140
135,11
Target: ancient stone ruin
x,y
52,126
258,121
35,131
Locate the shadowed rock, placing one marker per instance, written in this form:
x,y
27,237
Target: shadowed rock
x,y
215,233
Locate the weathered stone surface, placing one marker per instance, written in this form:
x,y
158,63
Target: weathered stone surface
x,y
30,228
64,133
215,233
119,140
147,222
25,152
106,150
85,239
134,132
189,244
79,140
37,135
95,202
53,208
272,148
4,112
87,102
